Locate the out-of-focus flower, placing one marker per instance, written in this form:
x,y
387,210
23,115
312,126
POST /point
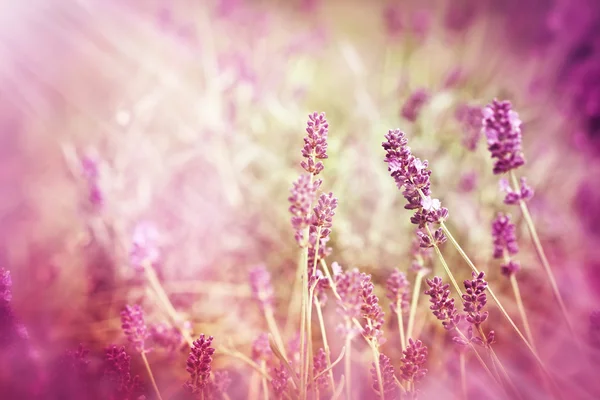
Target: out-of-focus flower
x,y
319,365
349,287
442,304
218,385
398,290
371,311
198,365
390,389
319,231
471,121
279,382
144,245
262,289
261,350
166,336
525,192
413,361
413,105
134,327
502,128
303,194
117,368
504,236
315,143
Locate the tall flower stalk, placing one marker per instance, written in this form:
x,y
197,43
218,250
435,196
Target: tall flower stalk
x,y
502,128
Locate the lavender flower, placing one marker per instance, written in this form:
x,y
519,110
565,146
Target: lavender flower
x,y
132,323
412,174
144,246
320,229
504,235
475,299
261,350
199,365
315,143
413,361
371,311
217,388
319,365
390,390
397,290
524,192
511,267
117,369
165,336
303,194
442,304
413,105
503,131
91,174
470,119
262,290
349,287
279,382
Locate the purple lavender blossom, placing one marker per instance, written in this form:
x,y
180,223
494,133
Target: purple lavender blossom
x,y
397,287
475,299
504,236
261,349
371,311
262,290
315,143
524,192
218,386
144,245
91,174
349,287
303,194
166,336
503,131
510,268
279,382
319,365
471,121
442,304
319,230
134,327
413,105
117,369
412,174
390,389
199,365
413,361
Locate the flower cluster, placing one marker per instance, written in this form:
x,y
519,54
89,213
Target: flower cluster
x,y
319,365
165,336
315,143
523,193
319,231
349,287
91,174
280,379
261,350
502,128
303,194
475,299
413,105
412,174
117,368
198,365
134,327
390,389
413,361
371,311
397,290
470,119
260,282
505,243
442,304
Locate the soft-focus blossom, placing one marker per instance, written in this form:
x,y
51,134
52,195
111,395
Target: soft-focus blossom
x,y
524,192
397,287
279,382
470,119
144,245
261,349
413,105
319,365
262,289
371,311
165,336
502,128
504,236
319,231
315,143
390,389
198,364
117,369
134,327
303,194
349,288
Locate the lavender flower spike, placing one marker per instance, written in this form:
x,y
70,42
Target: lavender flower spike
x,y
302,195
475,299
315,143
413,361
502,128
412,174
390,390
503,233
134,327
397,290
199,365
442,304
262,290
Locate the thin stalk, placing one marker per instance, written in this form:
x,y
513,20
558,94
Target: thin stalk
x,y
272,324
399,312
325,342
348,361
542,254
521,307
414,303
504,372
309,357
147,364
303,326
242,357
483,364
445,265
463,376
295,299
378,370
265,388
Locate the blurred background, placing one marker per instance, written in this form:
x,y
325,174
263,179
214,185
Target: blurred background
x,y
181,123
